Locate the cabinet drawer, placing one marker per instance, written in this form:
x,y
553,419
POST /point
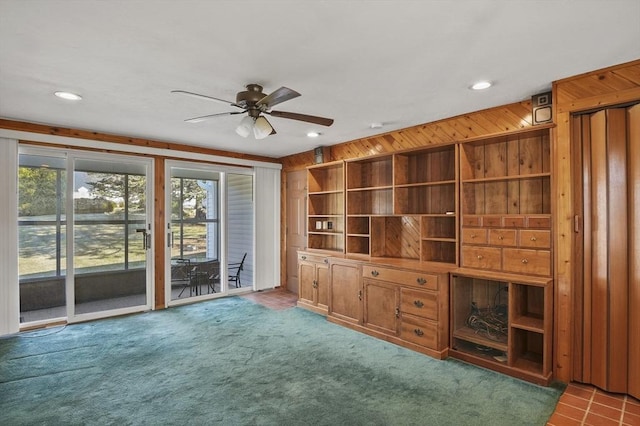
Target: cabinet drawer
x,y
481,257
471,220
419,331
420,303
312,257
398,276
492,221
533,262
543,222
474,236
537,238
502,237
513,221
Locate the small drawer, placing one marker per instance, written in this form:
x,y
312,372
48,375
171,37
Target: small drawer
x,y
535,238
502,237
481,257
312,257
399,276
543,222
492,221
419,331
420,303
531,262
471,221
474,236
513,221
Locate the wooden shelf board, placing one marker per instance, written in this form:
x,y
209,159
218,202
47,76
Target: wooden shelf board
x,y
434,183
528,323
501,276
466,333
337,233
442,239
507,178
335,191
359,235
370,188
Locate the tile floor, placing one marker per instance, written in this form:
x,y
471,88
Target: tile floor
x,y
579,404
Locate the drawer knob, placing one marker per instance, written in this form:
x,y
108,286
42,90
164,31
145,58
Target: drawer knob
x,y
479,257
397,312
418,332
533,238
418,303
473,236
525,261
326,261
421,281
375,273
315,284
304,257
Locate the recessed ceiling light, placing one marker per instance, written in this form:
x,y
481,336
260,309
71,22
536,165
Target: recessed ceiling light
x,y
375,125
68,96
481,85
313,134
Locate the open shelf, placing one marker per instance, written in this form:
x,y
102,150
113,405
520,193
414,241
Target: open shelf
x,y
425,166
325,178
370,172
425,199
371,202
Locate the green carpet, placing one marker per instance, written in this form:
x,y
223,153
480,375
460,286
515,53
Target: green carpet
x,y
232,362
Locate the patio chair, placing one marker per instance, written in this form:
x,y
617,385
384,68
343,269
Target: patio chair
x,y
181,275
234,271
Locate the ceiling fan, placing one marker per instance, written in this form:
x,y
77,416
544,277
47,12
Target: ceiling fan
x,y
256,103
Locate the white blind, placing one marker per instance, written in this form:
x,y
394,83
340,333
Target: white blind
x,y
9,290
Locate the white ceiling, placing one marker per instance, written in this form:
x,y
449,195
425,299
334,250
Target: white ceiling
x,y
397,62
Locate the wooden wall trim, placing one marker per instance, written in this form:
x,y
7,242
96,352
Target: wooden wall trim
x,y
125,140
614,85
159,230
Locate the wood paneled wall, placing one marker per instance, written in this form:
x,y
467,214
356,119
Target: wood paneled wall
x,y
598,89
480,124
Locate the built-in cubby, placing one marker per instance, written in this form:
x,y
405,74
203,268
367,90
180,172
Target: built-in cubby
x,y
502,322
408,203
325,207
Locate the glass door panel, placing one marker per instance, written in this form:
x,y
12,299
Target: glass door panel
x,y
111,235
240,230
42,232
194,233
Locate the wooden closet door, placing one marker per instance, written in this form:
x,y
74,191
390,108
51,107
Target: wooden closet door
x,y
634,250
608,337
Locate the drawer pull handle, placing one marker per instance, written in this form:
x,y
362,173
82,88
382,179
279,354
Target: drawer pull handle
x,y
479,257
418,332
360,295
533,238
500,237
525,261
418,303
304,258
473,236
397,312
421,281
375,273
315,284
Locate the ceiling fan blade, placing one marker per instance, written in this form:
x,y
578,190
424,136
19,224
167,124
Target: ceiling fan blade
x,y
206,117
277,97
210,98
302,117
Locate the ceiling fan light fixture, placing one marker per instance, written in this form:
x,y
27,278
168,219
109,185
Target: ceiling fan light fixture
x,y
245,127
261,128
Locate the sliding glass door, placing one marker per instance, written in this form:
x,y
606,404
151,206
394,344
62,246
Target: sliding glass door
x,y
210,231
112,238
84,241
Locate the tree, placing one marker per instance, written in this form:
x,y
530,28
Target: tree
x,y
38,191
112,187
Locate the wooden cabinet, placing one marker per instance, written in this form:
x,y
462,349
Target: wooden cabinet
x,y
503,322
345,290
506,203
403,205
325,207
405,306
313,276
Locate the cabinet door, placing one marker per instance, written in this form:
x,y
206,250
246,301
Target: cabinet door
x,y
345,294
322,279
306,277
381,306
